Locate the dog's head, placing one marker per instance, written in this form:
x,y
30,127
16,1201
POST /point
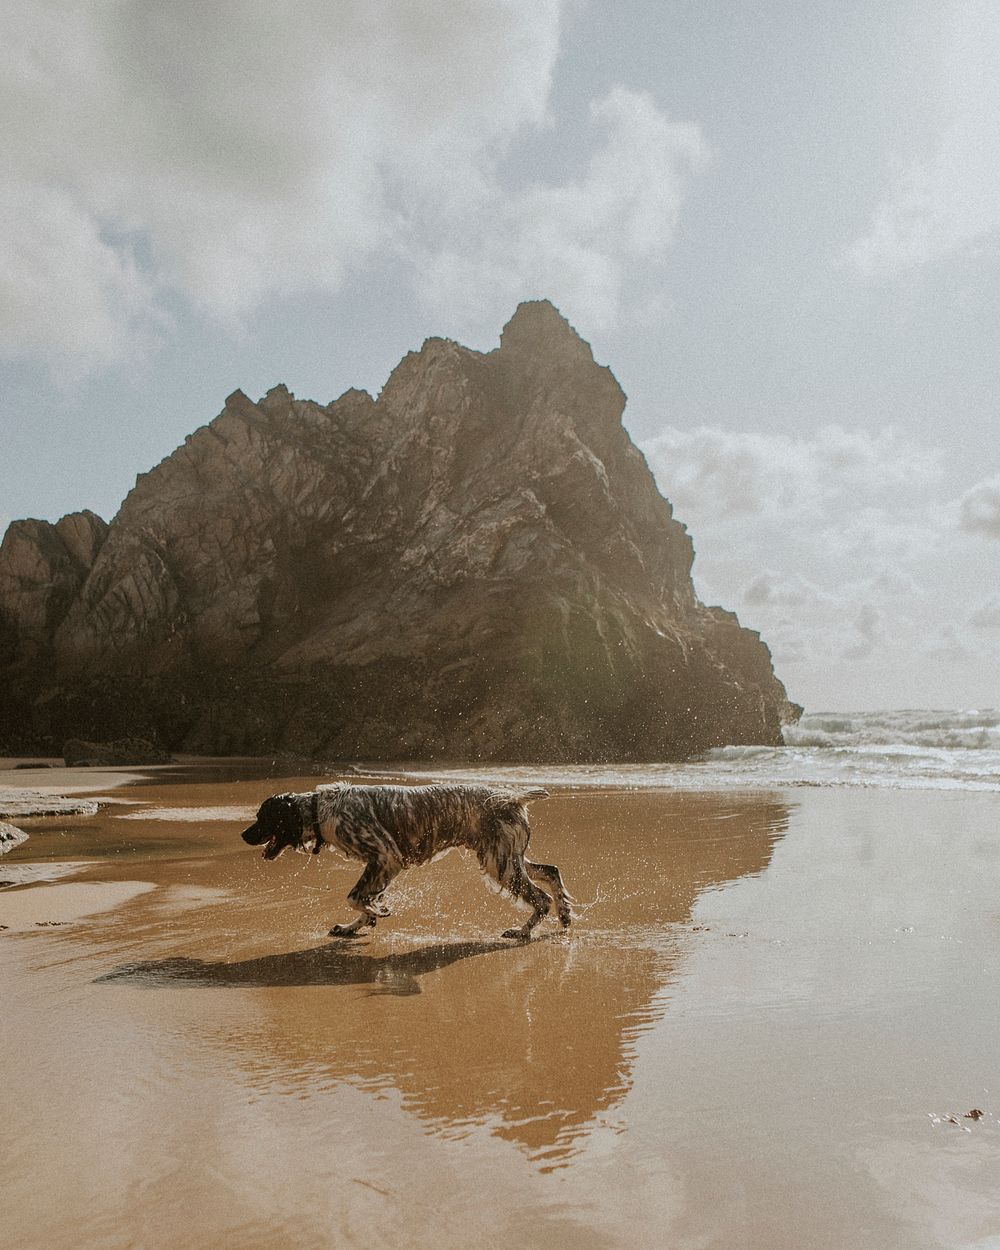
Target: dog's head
x,y
279,824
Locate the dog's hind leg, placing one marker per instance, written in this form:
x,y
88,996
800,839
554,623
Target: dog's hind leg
x,y
366,898
550,874
521,887
507,869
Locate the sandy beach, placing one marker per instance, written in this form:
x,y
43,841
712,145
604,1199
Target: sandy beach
x,y
766,1029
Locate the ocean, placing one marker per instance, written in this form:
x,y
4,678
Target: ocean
x,y
910,749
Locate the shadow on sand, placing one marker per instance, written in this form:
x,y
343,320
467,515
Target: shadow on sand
x,y
320,965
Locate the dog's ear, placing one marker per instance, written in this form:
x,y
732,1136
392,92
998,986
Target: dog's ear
x,y
312,841
311,844
290,823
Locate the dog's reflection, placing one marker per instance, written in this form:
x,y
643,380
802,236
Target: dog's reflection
x,y
393,973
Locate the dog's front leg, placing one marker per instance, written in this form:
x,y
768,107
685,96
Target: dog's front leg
x,y
366,898
348,930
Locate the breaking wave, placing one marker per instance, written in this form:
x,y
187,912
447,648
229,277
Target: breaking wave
x,y
899,750
968,731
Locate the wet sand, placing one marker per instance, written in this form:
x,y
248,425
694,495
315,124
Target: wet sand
x,y
767,1009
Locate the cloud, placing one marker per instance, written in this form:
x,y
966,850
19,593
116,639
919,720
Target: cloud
x,y
211,156
742,474
946,200
843,548
868,627
781,591
239,150
948,646
64,287
574,241
979,508
987,615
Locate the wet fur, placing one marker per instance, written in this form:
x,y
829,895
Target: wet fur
x,y
390,828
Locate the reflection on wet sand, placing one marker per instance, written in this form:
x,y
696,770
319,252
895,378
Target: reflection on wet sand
x,y
534,1041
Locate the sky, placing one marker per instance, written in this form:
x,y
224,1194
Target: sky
x,y
778,224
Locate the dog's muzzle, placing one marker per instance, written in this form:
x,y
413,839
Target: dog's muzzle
x,y
254,836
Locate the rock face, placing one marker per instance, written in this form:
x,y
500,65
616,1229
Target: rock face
x,y
42,569
477,565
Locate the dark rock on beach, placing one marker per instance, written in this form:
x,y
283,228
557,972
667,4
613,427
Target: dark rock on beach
x,y
475,565
79,753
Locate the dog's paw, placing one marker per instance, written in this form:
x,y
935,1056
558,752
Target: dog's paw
x,y
349,930
518,935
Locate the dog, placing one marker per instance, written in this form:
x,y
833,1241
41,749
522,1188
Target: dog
x,y
390,828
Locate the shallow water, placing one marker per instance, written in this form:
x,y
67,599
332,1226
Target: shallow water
x,y
767,1008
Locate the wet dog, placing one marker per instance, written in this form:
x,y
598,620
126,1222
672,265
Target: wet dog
x,y
390,828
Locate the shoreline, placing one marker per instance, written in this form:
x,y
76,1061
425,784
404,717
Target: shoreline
x,y
902,750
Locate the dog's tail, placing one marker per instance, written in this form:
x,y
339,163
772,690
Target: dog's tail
x,y
529,796
500,800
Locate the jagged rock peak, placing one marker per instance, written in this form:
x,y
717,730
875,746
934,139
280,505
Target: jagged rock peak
x,y
277,396
82,533
538,328
353,398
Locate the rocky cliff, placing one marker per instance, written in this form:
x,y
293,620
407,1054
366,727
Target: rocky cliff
x,y
476,565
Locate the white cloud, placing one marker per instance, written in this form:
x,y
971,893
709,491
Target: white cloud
x,y
946,199
775,589
868,628
948,646
224,153
246,149
64,286
987,615
780,475
575,241
979,508
843,549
